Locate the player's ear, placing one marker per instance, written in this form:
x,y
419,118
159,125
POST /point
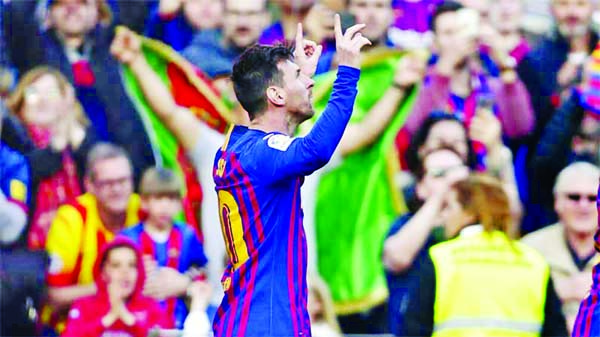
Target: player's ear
x,y
276,96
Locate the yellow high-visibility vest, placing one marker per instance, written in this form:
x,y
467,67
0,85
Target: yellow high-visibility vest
x,y
488,286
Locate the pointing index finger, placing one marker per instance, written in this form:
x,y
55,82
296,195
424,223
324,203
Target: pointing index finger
x,y
299,38
337,26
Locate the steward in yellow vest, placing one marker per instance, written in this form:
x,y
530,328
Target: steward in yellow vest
x,y
482,283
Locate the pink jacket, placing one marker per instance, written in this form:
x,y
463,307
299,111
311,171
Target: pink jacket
x,y
513,102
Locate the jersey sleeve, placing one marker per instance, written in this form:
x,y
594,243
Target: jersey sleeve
x,y
63,245
278,157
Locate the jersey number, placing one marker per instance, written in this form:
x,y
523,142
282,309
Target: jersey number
x,y
232,228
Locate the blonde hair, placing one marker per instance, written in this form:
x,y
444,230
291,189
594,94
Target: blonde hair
x,y
483,197
319,288
16,99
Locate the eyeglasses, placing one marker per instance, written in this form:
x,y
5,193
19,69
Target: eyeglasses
x,y
576,197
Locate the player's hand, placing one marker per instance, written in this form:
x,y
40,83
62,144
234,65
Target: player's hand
x,y
410,70
349,44
306,53
126,46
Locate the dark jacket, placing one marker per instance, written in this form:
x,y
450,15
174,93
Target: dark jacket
x,y
553,153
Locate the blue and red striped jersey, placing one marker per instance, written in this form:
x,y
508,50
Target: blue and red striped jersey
x,y
258,177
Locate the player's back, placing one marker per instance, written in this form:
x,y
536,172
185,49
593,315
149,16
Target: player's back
x,y
261,221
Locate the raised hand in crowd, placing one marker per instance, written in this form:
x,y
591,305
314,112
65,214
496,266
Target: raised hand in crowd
x,y
126,46
410,70
577,56
486,128
67,131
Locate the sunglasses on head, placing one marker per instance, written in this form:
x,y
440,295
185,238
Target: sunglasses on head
x,y
577,197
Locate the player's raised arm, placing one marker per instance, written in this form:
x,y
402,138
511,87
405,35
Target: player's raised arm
x,y
302,156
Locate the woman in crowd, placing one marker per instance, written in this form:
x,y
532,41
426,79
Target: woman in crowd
x,y
45,103
481,281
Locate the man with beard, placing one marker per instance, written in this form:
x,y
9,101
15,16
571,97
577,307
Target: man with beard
x,y
560,56
214,51
258,173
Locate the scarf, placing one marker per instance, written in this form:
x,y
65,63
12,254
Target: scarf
x,y
52,191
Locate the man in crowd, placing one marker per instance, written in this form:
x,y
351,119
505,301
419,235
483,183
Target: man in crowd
x,y
560,56
82,227
214,51
457,84
568,245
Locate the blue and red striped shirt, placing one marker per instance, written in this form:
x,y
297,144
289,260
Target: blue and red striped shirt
x,y
258,177
587,323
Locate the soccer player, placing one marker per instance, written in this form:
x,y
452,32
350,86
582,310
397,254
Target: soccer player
x,y
258,173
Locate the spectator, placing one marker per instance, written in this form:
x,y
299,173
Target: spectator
x,y
197,139
412,234
292,13
481,281
119,306
321,310
214,51
572,134
317,19
441,129
504,46
172,252
568,245
77,43
411,26
83,226
455,82
560,56
175,22
56,124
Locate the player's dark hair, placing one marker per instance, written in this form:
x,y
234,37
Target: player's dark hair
x,y
254,71
443,8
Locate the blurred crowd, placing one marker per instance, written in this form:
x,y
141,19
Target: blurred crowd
x,y
473,118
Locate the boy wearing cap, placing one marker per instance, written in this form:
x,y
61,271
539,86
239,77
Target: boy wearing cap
x,y
172,252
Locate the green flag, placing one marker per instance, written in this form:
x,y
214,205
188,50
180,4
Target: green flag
x,y
358,200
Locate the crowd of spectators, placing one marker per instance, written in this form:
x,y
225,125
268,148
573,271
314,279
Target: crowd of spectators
x,y
474,141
